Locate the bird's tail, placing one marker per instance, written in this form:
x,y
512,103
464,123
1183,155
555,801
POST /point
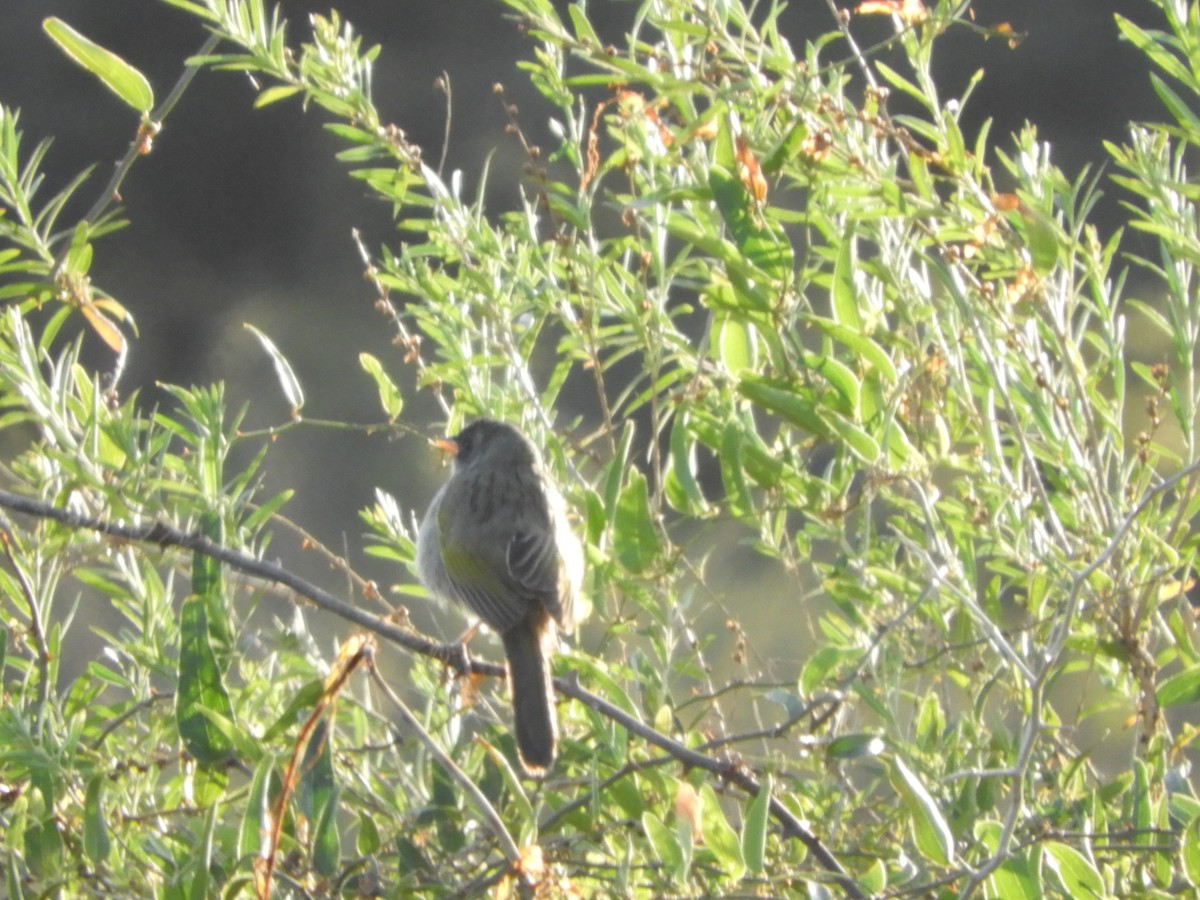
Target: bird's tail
x,y
534,719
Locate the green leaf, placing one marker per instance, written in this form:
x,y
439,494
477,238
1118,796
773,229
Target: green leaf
x,y
1015,879
317,796
327,839
861,443
351,134
1178,107
635,538
735,343
288,381
845,299
79,256
44,847
761,462
733,472
200,864
208,585
754,828
266,509
1077,876
201,689
304,699
1040,234
840,377
583,28
368,840
389,394
667,847
614,480
898,81
749,294
1182,687
823,665
195,9
256,821
860,344
1190,851
782,399
930,830
955,155
719,836
274,94
723,150
1161,56
96,840
765,247
1143,812
680,486
118,76
14,877
787,149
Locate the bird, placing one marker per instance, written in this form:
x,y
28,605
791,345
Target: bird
x,y
496,539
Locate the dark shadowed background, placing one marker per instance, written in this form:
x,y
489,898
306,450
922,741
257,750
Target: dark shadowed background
x,y
243,215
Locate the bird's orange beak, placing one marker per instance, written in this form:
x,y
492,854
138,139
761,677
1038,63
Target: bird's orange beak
x,y
447,445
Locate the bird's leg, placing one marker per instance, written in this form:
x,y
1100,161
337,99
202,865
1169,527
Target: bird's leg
x,y
461,653
466,636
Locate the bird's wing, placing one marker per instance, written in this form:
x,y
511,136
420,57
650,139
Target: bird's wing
x,y
535,563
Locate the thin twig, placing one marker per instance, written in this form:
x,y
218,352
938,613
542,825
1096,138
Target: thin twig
x,y
404,338
112,190
336,562
507,844
124,717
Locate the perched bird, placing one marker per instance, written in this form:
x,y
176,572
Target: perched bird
x,y
496,538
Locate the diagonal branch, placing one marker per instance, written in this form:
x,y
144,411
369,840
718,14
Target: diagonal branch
x,y
164,535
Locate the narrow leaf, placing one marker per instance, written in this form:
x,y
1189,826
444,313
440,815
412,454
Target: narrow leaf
x,y
861,443
733,473
118,76
1182,687
719,837
1015,879
257,818
930,830
845,301
96,840
667,847
321,786
208,585
735,343
274,94
1076,874
766,247
635,538
288,381
869,351
389,394
1190,851
200,688
783,399
680,486
754,828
